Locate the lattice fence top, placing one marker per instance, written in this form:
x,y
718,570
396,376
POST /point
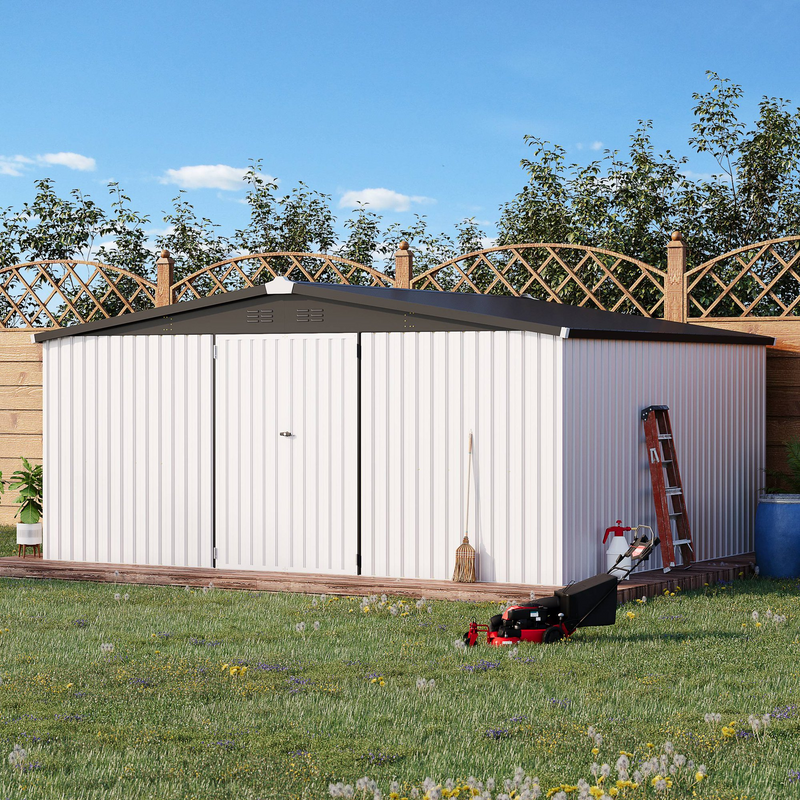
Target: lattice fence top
x,y
563,273
45,294
252,270
758,280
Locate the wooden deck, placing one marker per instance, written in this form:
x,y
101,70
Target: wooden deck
x,y
644,584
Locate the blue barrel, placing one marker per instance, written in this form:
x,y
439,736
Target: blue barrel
x,y
777,539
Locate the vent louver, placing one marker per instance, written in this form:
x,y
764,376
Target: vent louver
x,y
259,315
310,315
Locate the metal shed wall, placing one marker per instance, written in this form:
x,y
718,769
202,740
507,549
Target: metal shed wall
x,y
421,395
716,396
128,449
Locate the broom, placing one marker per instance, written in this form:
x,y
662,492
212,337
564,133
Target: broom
x,y
465,554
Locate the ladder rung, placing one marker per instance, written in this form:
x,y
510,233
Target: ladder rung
x,y
673,490
674,514
681,541
666,460
664,436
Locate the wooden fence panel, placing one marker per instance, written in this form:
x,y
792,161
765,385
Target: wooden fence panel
x,y
20,408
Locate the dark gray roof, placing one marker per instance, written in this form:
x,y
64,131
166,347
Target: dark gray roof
x,y
425,308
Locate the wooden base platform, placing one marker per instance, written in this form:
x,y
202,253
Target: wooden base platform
x,y
643,584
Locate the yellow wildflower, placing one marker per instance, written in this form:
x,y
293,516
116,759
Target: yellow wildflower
x,y
698,776
596,791
365,609
595,751
224,667
630,615
69,686
758,624
613,792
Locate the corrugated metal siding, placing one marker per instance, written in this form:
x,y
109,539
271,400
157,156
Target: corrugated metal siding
x,y
287,502
421,395
716,398
128,449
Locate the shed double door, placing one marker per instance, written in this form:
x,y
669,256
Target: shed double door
x,y
286,452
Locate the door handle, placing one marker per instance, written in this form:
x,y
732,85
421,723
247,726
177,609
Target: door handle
x,y
285,433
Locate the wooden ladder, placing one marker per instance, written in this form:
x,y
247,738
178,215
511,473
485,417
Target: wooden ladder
x,y
667,487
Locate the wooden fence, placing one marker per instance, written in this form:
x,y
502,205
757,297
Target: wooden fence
x,y
754,289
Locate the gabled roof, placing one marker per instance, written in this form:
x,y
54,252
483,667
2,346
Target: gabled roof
x,y
481,312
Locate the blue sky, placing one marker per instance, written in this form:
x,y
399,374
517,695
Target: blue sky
x,y
428,101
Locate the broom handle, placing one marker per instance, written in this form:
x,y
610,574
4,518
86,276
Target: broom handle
x,y
469,474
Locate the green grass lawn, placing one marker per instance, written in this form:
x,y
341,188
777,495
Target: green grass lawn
x,y
159,717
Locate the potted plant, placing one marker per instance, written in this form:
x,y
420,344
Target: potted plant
x,y
777,534
28,482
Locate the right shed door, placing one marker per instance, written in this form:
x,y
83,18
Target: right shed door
x,y
286,464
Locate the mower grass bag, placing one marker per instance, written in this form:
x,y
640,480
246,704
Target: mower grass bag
x,y
588,603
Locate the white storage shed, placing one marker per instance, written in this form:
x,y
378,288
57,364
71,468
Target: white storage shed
x,y
323,428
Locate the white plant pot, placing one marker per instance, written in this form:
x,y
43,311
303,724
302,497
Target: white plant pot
x,y
29,534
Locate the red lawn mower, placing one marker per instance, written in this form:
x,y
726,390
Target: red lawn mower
x,y
588,603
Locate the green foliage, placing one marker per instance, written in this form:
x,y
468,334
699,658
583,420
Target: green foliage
x,y
28,483
158,716
787,482
632,203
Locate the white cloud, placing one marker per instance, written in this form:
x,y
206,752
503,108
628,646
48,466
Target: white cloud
x,y
700,176
69,160
596,146
382,199
208,176
18,165
13,165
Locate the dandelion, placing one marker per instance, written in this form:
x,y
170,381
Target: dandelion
x,y
459,644
314,602
117,596
126,597
323,598
186,588
393,611
384,598
631,615
754,615
316,625
300,627
430,609
106,647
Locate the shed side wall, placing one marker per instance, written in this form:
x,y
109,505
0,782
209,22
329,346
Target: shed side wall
x,y
128,449
421,395
716,396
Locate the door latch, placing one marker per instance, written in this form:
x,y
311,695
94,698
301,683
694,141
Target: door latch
x,y
286,433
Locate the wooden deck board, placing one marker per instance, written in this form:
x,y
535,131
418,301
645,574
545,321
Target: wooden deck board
x,y
643,584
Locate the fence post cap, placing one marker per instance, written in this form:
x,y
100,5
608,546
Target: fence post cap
x,y
677,236
165,254
403,245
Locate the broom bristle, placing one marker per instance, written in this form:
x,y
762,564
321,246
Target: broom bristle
x,y
464,571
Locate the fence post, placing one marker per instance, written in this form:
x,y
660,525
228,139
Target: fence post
x,y
165,271
675,301
403,266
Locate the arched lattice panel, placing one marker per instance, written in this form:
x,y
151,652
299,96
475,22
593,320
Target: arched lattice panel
x,y
54,294
583,276
758,280
252,270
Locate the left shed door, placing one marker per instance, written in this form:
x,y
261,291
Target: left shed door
x,y
128,458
